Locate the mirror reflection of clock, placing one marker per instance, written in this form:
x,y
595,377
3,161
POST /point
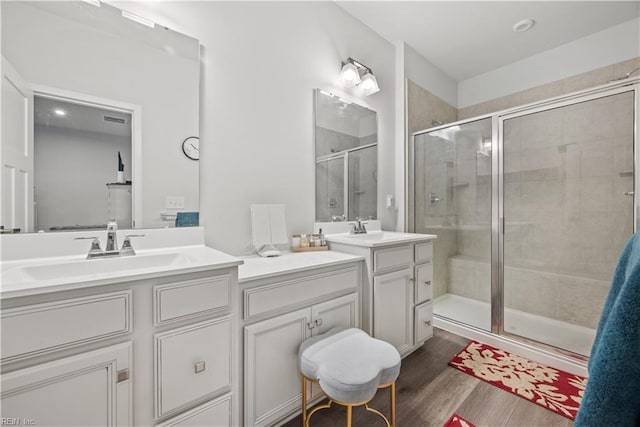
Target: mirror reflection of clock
x,y
191,147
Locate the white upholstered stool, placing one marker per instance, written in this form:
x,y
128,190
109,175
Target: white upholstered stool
x,y
350,367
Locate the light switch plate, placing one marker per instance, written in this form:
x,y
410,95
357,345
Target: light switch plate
x,y
174,202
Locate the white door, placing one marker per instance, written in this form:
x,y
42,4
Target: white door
x,y
273,385
16,178
90,389
392,308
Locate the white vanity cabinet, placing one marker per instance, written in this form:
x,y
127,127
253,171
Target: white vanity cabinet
x,y
397,294
138,352
280,312
89,389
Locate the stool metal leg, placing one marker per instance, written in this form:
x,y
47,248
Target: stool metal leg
x,y
304,401
392,391
349,415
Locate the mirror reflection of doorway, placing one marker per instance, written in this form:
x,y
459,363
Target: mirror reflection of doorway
x,y
76,180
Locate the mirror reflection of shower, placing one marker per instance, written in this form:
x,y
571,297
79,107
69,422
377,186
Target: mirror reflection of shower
x,y
346,136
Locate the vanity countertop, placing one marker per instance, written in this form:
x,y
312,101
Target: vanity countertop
x,y
378,239
43,275
256,267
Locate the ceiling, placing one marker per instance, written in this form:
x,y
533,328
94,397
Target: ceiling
x,y
465,39
79,117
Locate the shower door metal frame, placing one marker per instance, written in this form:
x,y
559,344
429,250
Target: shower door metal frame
x,y
497,279
497,186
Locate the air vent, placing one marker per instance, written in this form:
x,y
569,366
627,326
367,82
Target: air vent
x,y
112,119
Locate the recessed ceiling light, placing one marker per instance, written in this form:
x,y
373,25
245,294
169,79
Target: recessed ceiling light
x,y
96,3
523,25
59,112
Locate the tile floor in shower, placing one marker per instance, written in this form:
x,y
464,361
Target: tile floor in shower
x,y
556,333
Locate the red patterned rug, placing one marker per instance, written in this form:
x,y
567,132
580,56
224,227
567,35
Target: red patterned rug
x,y
457,421
556,390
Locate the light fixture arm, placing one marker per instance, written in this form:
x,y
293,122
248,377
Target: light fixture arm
x,y
362,69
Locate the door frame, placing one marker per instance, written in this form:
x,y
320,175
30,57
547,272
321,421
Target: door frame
x,y
134,110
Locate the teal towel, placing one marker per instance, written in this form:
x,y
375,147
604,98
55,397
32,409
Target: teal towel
x,y
612,396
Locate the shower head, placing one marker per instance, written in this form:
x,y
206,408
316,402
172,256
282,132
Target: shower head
x,y
626,76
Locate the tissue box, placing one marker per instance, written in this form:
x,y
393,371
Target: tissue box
x,y
187,219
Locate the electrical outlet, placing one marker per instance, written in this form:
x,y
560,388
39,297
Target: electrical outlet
x,y
391,202
174,202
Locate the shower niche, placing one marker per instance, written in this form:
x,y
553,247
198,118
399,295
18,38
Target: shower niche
x,y
346,156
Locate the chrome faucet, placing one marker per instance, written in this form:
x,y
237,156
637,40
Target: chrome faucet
x,y
359,227
112,242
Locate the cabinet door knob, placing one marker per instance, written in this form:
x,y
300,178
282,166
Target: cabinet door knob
x,y
311,325
123,375
427,283
200,366
318,322
427,322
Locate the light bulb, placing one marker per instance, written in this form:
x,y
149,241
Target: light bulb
x,y
349,75
368,84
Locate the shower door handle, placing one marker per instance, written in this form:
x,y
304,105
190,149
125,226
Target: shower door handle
x,y
629,193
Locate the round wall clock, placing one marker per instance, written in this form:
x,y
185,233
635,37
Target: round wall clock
x,y
191,147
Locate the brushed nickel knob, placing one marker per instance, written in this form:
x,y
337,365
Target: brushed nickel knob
x,y
200,366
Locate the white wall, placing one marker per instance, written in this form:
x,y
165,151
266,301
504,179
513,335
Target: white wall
x,y
261,62
72,168
49,50
615,44
425,74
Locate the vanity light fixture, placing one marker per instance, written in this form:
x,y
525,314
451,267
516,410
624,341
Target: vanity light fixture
x,y
139,19
354,73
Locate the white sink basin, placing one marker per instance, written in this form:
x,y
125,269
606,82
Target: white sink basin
x,y
381,236
378,238
102,266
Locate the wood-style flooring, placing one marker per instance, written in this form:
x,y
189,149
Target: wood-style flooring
x,y
429,391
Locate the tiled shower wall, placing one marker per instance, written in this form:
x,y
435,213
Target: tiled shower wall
x,y
561,187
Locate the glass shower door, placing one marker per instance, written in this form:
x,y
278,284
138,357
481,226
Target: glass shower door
x,y
330,189
567,192
452,199
363,183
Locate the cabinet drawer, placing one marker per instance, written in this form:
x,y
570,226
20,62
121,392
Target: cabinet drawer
x,y
214,413
39,328
191,363
424,252
424,283
263,299
392,258
423,322
179,301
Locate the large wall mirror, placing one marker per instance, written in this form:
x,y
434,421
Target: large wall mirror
x,y
95,108
346,138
